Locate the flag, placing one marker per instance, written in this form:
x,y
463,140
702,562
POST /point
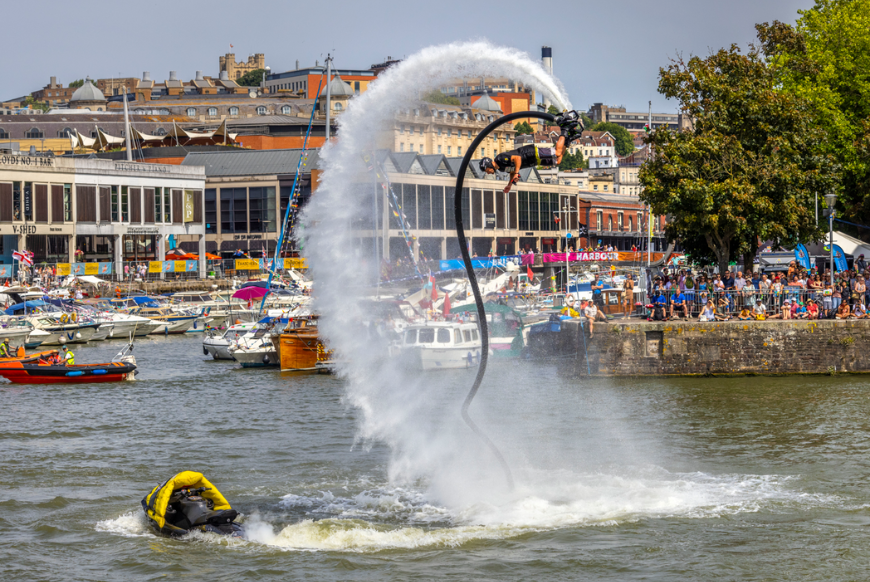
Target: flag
x,y
446,310
646,127
530,274
23,257
556,217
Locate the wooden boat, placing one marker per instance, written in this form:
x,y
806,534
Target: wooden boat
x,y
300,349
28,372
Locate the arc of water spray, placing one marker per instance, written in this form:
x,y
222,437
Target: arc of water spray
x,y
469,268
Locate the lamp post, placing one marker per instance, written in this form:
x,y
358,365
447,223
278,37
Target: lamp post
x,y
565,213
831,199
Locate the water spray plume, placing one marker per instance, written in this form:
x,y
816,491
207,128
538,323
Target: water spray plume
x,y
393,402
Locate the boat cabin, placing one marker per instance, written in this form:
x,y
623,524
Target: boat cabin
x,y
443,335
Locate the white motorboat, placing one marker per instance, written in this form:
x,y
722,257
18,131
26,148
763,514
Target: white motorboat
x,y
37,337
217,346
17,331
102,332
442,345
123,324
255,350
67,332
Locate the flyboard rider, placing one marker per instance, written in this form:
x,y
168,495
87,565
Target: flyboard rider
x,y
531,155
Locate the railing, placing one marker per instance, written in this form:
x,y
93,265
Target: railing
x,y
729,303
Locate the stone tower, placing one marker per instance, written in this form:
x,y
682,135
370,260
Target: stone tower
x,y
235,70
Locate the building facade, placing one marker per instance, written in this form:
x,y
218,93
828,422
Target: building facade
x,y
636,120
304,82
68,210
448,130
235,70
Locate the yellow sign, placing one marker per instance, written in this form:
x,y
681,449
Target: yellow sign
x,y
295,263
247,265
180,266
155,266
63,269
188,206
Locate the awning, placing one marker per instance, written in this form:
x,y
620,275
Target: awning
x,y
90,279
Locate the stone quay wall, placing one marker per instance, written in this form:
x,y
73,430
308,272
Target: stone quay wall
x,y
733,347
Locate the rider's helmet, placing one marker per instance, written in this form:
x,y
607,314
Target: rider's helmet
x,y
486,163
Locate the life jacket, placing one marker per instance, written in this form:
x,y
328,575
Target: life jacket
x,y
4,351
70,358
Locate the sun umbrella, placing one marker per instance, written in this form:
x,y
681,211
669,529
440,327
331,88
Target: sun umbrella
x,y
249,293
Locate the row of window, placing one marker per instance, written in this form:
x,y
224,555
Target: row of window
x,y
27,201
620,222
241,210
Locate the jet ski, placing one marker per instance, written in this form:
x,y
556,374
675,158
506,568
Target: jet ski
x,y
189,502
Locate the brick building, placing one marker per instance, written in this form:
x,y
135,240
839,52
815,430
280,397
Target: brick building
x,y
618,220
235,70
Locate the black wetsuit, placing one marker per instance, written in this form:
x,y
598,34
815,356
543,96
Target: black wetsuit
x,y
530,156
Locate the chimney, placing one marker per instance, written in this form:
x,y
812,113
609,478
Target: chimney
x,y
547,62
146,76
53,82
225,76
316,63
297,64
173,76
199,75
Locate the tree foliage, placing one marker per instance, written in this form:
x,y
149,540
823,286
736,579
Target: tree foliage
x,y
436,96
572,161
749,167
251,78
77,84
553,111
523,128
624,140
32,103
825,59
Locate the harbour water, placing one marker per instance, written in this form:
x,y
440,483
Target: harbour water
x,y
760,478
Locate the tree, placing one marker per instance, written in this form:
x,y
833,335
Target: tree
x,y
523,128
749,167
587,121
572,161
553,111
77,84
38,105
825,58
251,78
436,96
624,141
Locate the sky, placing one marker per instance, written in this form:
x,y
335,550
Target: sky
x,y
608,52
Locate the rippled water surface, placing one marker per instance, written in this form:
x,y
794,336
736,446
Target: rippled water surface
x,y
640,479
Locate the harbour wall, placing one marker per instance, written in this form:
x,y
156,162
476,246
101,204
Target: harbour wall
x,y
695,348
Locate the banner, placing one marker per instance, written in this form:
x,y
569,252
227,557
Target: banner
x,y
188,206
296,263
481,263
92,268
168,266
192,266
6,271
78,268
625,256
840,259
155,266
105,268
247,265
802,256
62,269
179,266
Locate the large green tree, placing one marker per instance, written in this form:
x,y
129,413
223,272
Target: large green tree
x,y
572,161
624,140
825,59
747,169
523,128
251,78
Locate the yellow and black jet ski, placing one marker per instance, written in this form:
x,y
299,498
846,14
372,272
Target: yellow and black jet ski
x,y
189,502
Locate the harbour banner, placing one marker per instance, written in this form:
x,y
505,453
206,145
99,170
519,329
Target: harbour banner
x,y
104,268
168,266
78,268
179,266
192,266
155,266
92,268
248,265
482,262
612,257
5,270
62,269
296,263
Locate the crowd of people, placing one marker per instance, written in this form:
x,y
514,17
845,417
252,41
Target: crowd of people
x,y
797,293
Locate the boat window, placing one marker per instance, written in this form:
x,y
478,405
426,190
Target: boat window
x,y
427,336
443,336
411,336
474,334
467,333
457,336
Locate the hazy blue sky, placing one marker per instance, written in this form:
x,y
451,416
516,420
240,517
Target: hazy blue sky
x,y
602,51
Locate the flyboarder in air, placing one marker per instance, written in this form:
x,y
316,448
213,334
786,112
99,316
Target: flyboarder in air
x,y
531,155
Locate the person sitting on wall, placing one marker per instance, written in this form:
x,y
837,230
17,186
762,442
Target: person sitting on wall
x,y
592,315
708,313
744,314
812,309
801,311
843,311
860,310
759,312
679,305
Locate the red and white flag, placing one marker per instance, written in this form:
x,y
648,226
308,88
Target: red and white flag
x,y
434,288
530,274
446,306
23,257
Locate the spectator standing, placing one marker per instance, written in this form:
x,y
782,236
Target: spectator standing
x,y
860,264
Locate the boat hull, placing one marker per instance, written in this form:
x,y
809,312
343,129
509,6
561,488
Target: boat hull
x,y
70,335
19,373
457,358
174,327
299,351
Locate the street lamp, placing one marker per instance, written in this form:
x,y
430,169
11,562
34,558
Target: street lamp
x,y
565,213
831,199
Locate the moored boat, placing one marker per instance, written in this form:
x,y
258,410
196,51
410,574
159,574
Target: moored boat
x,y
300,349
442,345
28,372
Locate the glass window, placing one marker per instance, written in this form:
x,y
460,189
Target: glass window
x,y
457,336
262,209
458,150
411,130
443,335
210,211
437,198
114,204
191,112
158,204
261,110
34,133
427,335
467,333
212,111
285,110
125,205
410,336
474,334
67,202
401,147
234,110
167,208
619,220
599,220
4,134
449,152
439,149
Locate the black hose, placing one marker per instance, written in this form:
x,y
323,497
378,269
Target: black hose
x,y
466,257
